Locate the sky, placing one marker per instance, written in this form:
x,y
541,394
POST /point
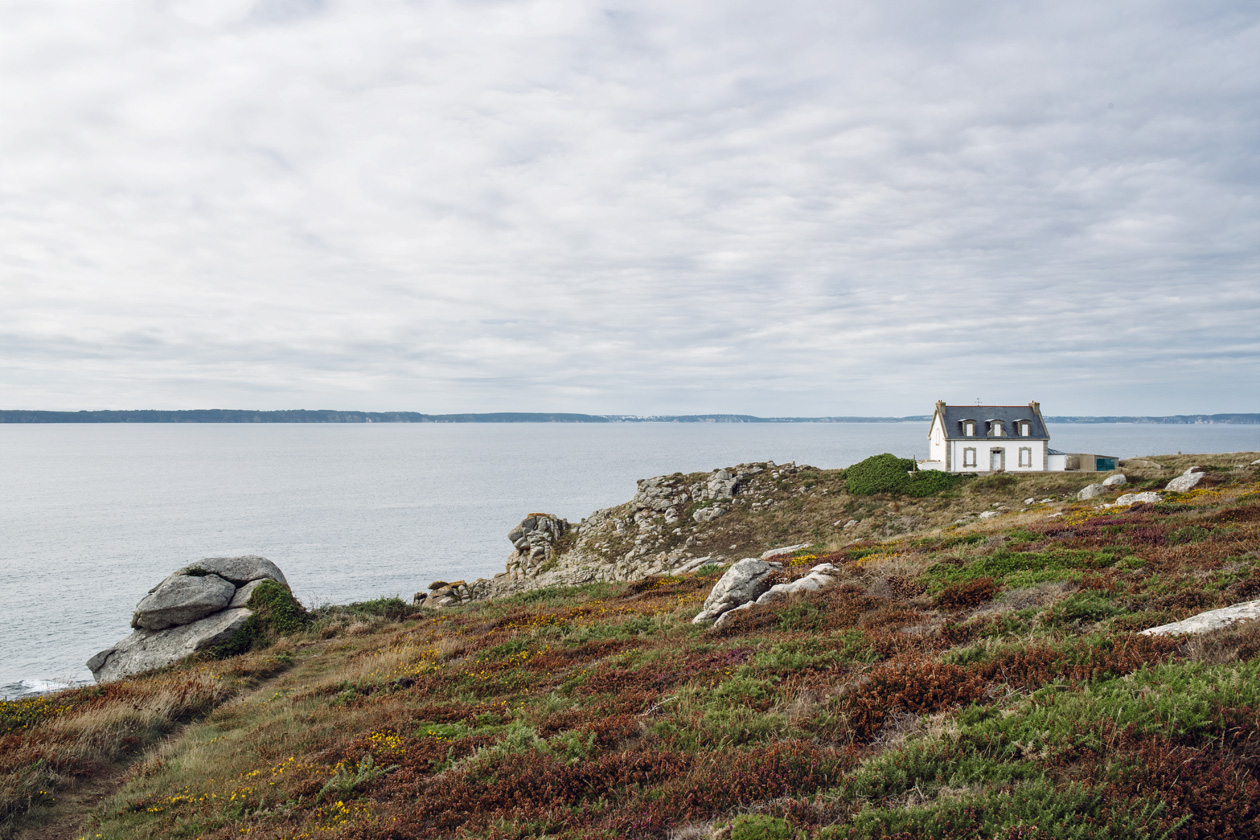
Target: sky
x,y
781,209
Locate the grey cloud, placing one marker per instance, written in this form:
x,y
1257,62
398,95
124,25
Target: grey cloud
x,y
657,207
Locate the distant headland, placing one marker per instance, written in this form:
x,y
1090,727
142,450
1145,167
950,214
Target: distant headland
x,y
226,415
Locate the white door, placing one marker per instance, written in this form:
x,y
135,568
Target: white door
x,y
995,459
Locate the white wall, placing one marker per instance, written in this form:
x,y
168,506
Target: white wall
x,y
936,441
1010,446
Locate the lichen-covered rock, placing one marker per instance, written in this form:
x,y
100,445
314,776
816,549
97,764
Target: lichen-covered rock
x,y
240,570
1091,492
194,608
1114,480
743,582
708,514
534,542
182,599
1186,482
771,553
145,650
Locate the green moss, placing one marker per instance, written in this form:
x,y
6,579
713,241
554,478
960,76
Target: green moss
x,y
276,608
276,613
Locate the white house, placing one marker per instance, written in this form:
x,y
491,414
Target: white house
x,y
990,438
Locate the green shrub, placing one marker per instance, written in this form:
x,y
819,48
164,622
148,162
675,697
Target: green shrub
x,y
1082,607
760,827
276,613
887,473
392,609
884,473
276,608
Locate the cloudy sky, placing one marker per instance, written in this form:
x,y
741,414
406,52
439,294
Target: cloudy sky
x,y
788,208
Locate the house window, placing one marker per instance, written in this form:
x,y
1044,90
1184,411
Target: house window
x,y
969,456
1023,428
969,428
1025,456
995,427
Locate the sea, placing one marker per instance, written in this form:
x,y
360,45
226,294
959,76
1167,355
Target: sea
x,y
93,516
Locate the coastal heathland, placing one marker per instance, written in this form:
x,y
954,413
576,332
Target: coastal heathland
x,y
977,671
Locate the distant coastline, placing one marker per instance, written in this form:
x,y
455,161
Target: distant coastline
x,y
223,415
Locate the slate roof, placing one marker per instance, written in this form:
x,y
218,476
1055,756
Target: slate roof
x,y
982,414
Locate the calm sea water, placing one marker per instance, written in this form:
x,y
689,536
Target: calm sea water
x,y
92,516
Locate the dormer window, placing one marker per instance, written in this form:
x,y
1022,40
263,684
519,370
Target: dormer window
x,y
995,428
969,428
1024,428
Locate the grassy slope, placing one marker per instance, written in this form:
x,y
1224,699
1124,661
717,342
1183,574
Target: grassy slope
x,y
982,680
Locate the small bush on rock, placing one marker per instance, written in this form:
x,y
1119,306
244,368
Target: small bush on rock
x,y
276,613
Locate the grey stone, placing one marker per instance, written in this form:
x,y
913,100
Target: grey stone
x,y
1149,497
689,566
182,599
534,541
989,514
1186,481
241,598
1114,480
820,577
240,570
778,552
726,616
1210,620
145,650
707,514
1090,492
743,582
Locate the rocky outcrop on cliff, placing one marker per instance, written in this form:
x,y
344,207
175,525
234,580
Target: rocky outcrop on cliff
x,y
197,607
674,524
534,543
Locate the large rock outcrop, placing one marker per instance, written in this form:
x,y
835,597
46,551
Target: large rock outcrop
x,y
182,599
197,607
669,527
145,650
534,542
